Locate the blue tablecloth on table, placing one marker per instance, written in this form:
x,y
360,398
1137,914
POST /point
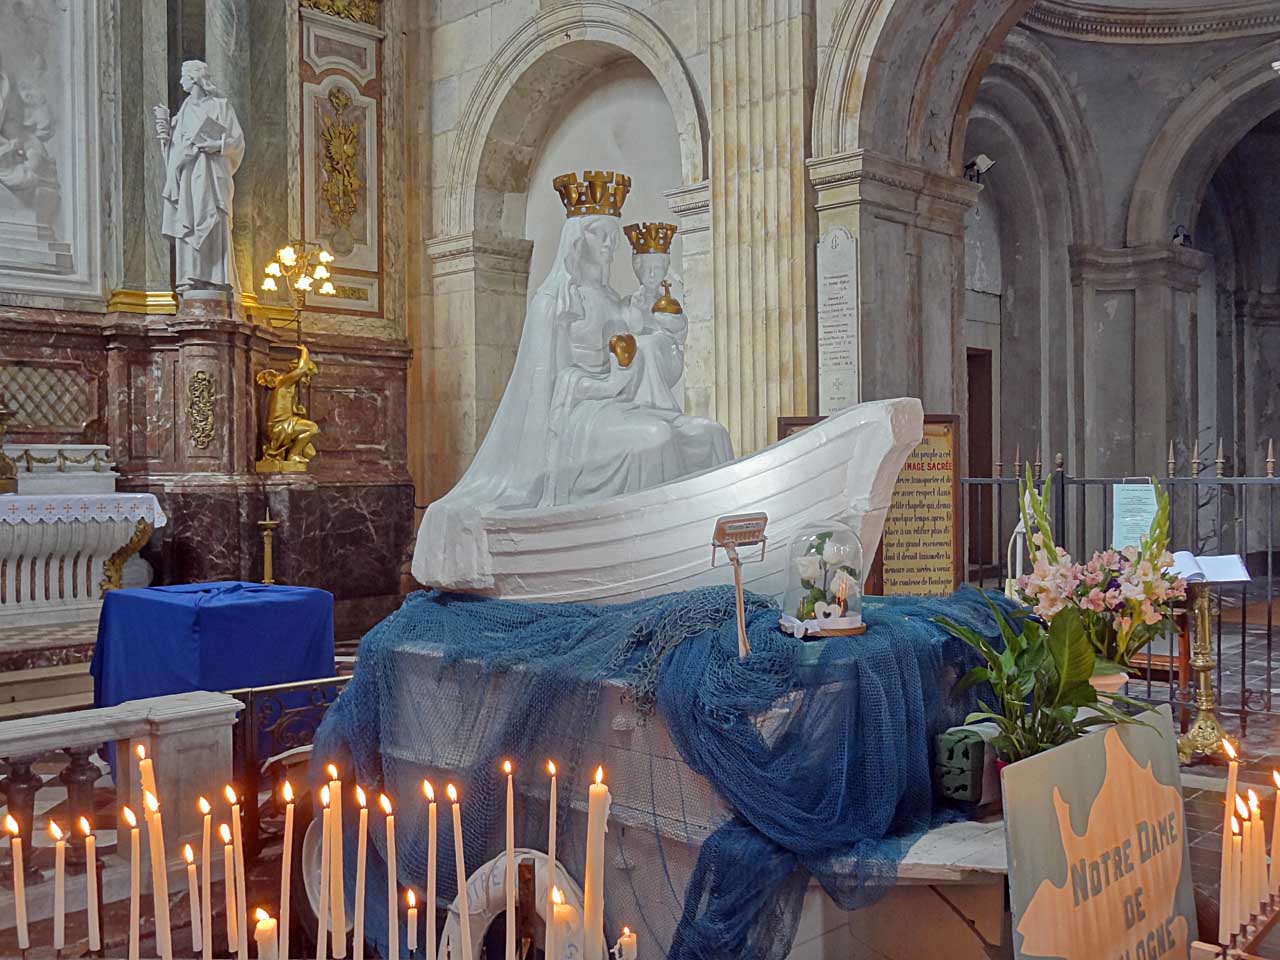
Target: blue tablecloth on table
x,y
209,636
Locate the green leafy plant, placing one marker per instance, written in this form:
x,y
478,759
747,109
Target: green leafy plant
x,y
1040,683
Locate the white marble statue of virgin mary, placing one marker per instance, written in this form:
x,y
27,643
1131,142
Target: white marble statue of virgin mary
x,y
574,425
203,146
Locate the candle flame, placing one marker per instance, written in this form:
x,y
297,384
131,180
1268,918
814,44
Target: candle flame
x,y
261,915
453,794
225,832
626,931
129,817
288,792
324,795
1235,826
150,800
188,854
1253,801
203,804
556,896
1241,808
506,767
599,774
333,771
429,791
385,802
141,751
84,826
230,794
1229,749
55,831
360,797
413,901
11,824
1276,777
551,767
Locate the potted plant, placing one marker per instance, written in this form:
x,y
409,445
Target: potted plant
x,y
1039,682
1124,598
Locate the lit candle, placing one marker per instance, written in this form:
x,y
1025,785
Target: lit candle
x,y
1233,772
1275,838
91,883
1229,896
429,948
206,902
627,945
511,864
551,847
160,878
1245,903
59,885
286,867
393,901
336,883
459,859
229,883
20,880
237,834
264,934
135,889
593,879
322,920
193,896
1259,854
362,844
565,927
146,771
412,929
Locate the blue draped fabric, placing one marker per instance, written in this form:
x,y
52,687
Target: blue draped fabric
x,y
820,751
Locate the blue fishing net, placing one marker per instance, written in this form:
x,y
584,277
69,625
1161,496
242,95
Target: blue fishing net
x,y
735,783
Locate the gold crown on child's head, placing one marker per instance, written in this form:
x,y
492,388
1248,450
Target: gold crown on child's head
x,y
650,237
598,192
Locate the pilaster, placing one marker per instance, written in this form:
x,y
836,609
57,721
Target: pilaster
x,y
692,208
227,52
762,81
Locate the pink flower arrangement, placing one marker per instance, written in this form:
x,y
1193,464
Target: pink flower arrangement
x,y
1125,597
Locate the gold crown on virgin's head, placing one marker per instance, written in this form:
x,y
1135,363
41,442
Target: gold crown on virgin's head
x,y
598,192
650,237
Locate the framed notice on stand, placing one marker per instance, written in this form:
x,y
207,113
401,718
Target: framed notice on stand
x,y
920,552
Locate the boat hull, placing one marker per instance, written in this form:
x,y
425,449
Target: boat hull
x,y
658,540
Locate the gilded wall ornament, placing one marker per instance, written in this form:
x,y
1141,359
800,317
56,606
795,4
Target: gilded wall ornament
x,y
361,11
200,408
343,185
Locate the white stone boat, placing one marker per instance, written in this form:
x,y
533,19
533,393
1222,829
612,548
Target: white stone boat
x,y
658,540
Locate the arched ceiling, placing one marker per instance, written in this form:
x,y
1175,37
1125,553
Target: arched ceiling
x,y
1154,21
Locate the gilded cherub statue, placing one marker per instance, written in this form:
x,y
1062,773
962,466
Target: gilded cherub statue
x,y
287,447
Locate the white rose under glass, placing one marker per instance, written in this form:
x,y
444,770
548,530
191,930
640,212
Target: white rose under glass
x,y
824,593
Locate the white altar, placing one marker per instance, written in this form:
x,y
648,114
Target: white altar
x,y
61,550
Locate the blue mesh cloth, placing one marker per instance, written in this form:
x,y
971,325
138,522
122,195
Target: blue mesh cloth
x,y
819,752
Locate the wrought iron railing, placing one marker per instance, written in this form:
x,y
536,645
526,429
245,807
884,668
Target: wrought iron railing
x,y
276,719
1210,513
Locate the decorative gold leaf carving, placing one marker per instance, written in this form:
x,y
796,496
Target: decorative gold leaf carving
x,y
361,11
343,186
200,408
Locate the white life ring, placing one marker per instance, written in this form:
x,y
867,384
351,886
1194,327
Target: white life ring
x,y
487,900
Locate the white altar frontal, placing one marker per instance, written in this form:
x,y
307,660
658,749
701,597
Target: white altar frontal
x,y
66,535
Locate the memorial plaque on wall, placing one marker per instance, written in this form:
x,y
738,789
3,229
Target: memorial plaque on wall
x,y
837,321
1099,865
920,552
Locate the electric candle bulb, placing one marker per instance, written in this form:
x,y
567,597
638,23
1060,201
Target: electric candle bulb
x,y
273,269
287,255
328,289
326,256
321,272
269,284
302,283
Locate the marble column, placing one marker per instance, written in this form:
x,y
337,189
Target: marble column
x,y
692,208
265,177
227,50
908,224
762,78
142,59
479,285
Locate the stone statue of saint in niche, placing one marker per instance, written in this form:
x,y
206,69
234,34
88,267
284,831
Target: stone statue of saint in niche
x,y
203,146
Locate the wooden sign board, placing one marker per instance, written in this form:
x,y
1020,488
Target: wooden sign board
x,y
920,551
1099,865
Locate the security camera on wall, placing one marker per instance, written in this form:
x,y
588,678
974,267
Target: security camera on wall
x,y
975,168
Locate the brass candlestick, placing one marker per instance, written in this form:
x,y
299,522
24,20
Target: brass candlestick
x,y
268,526
1204,737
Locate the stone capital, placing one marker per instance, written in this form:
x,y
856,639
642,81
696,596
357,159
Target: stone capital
x,y
692,205
1129,267
898,190
471,252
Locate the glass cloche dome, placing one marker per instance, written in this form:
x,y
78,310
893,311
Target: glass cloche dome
x,y
824,583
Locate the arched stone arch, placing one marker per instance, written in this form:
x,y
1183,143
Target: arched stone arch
x,y
1198,135
561,44
900,76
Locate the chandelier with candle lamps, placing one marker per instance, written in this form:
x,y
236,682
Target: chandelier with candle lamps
x,y
300,267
